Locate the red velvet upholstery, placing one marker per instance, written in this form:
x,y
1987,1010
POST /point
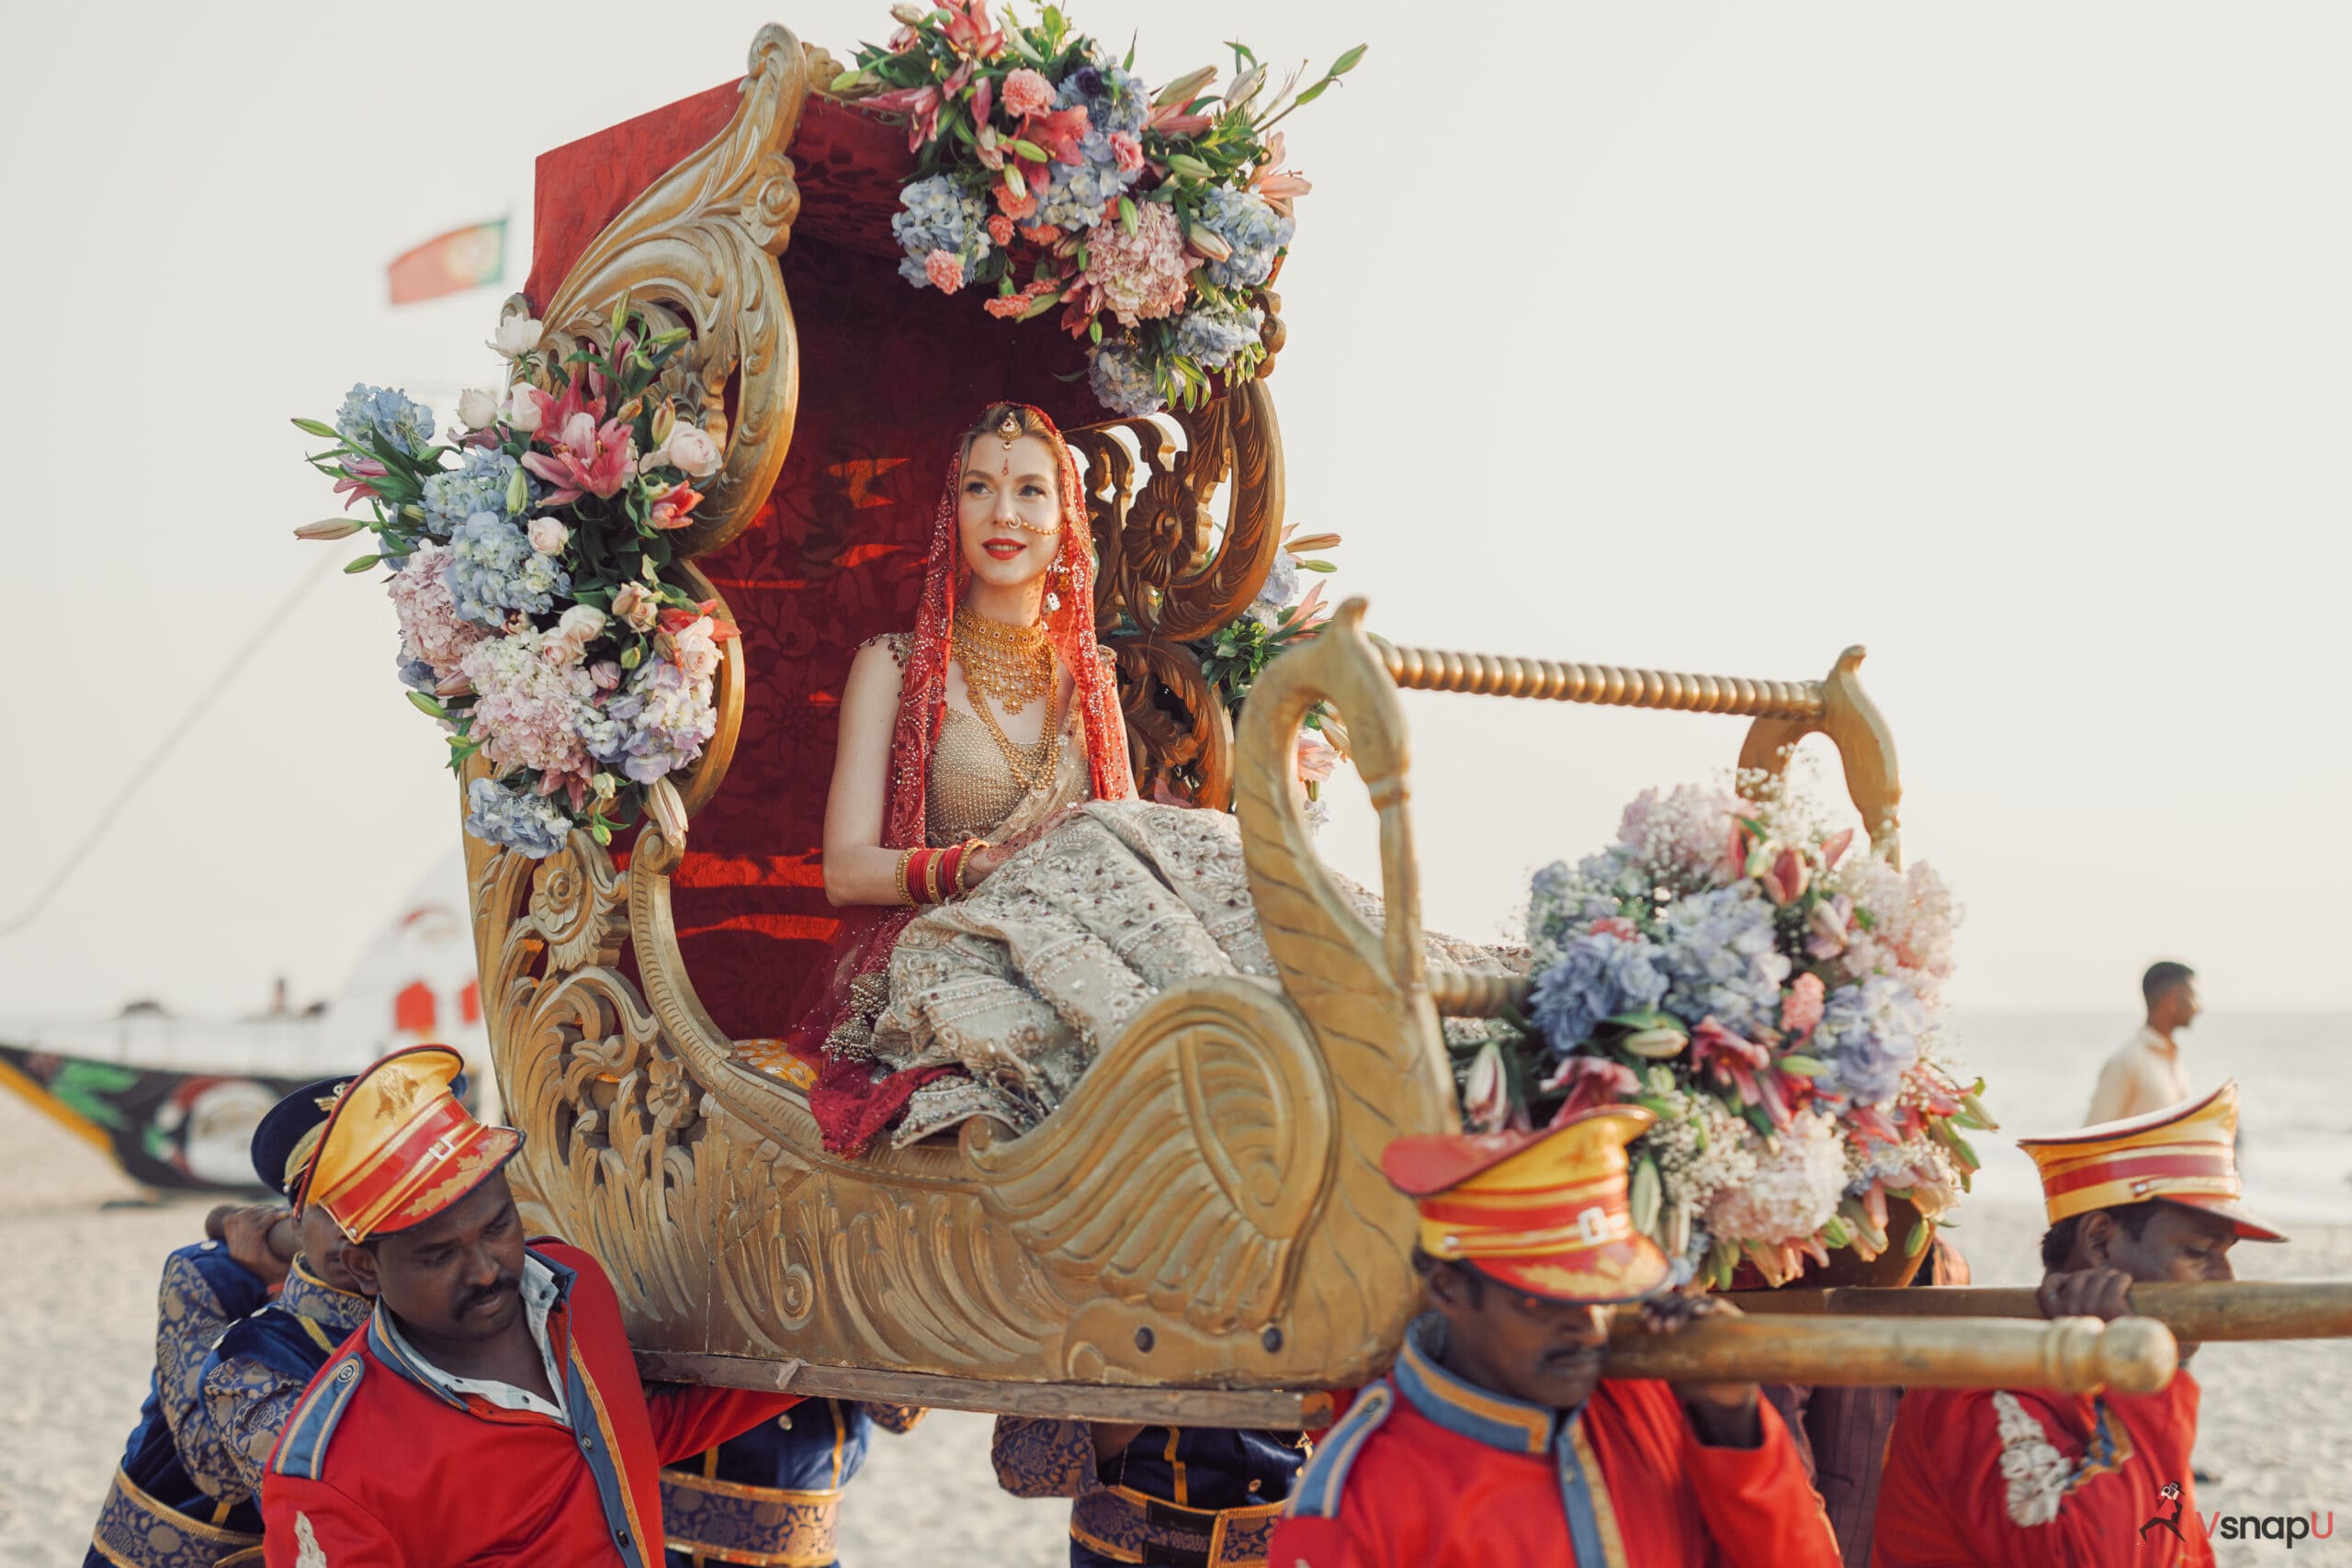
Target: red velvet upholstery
x,y
888,373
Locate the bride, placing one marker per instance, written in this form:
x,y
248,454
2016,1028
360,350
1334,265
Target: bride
x,y
1015,904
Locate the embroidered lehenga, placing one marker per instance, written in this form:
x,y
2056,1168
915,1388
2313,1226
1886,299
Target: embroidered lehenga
x,y
994,1004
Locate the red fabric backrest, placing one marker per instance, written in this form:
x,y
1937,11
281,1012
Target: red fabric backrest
x,y
888,374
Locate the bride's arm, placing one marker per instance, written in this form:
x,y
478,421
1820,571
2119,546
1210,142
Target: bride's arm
x,y
858,870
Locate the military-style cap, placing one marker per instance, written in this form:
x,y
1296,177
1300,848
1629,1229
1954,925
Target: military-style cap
x,y
2183,1153
1542,1212
399,1147
288,1135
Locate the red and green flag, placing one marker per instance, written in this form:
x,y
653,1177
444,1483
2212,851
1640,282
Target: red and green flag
x,y
458,260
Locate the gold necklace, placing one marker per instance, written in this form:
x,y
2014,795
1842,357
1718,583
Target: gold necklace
x,y
1013,665
1032,766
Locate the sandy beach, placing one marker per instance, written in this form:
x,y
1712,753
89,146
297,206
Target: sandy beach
x,y
76,1342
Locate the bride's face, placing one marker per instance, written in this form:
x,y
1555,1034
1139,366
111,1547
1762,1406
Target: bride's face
x,y
1010,515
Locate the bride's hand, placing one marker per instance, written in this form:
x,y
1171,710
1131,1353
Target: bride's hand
x,y
983,861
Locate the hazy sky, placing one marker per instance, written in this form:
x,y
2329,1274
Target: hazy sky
x,y
2011,340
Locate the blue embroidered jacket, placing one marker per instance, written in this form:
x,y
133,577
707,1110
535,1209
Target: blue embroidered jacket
x,y
773,1494
261,1366
165,1509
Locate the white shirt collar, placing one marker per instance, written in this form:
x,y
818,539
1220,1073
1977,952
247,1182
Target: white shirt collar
x,y
540,1294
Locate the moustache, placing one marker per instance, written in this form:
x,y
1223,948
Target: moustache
x,y
1582,1359
497,1291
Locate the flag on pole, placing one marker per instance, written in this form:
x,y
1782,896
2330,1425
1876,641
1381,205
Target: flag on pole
x,y
457,260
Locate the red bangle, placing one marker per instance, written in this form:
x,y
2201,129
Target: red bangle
x,y
951,870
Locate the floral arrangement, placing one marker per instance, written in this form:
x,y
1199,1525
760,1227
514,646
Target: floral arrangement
x,y
1050,174
1775,999
525,556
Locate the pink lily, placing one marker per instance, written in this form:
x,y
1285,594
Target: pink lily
x,y
1169,119
919,105
587,459
1786,878
1279,186
1590,1081
354,485
1741,1063
555,412
983,99
1833,849
969,32
1059,133
671,509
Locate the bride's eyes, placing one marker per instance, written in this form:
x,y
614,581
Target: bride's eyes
x,y
1033,490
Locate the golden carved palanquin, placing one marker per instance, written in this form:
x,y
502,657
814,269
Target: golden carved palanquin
x,y
1206,1212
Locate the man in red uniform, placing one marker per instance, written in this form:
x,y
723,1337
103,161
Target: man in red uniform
x,y
1981,1478
490,1410
1493,1441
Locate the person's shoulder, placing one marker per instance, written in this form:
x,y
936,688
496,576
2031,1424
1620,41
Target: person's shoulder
x,y
1324,1482
319,1414
896,647
207,1265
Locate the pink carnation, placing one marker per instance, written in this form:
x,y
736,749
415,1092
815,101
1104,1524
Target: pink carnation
x,y
1143,275
947,273
1126,152
430,627
1027,92
1000,228
1015,207
1801,1008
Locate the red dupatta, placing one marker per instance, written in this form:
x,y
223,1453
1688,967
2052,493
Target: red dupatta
x,y
850,1102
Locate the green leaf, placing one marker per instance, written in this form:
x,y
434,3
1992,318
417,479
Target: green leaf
x,y
426,705
359,564
312,427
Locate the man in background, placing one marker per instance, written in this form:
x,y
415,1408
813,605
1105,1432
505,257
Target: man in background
x,y
2145,1073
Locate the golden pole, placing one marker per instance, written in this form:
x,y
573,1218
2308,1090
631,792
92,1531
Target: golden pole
x,y
2294,1309
2072,1355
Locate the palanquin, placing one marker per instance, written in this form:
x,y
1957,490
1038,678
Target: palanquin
x,y
1204,1224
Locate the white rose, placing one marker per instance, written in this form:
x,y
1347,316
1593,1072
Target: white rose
x,y
607,674
549,536
692,650
634,605
690,450
517,335
522,411
477,407
581,625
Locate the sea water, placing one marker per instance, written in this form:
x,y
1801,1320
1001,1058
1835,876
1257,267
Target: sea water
x,y
2294,1077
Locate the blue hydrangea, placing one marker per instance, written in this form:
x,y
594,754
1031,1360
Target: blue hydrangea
x,y
373,417
1599,976
1868,1038
1121,378
514,820
416,674
1077,195
493,570
1211,337
1255,231
477,484
656,725
1114,99
1280,591
939,215
1717,946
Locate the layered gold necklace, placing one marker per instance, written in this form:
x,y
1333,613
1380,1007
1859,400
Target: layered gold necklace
x,y
1013,665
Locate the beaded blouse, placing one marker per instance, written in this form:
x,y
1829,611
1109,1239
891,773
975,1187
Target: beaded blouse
x,y
972,792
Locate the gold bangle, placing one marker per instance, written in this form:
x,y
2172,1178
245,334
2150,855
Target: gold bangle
x,y
931,877
906,894
964,866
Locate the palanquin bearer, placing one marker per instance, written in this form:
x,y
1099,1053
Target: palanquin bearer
x,y
1494,1441
773,1495
1978,1477
490,1409
187,1491
1199,1496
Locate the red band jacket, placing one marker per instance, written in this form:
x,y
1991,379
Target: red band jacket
x,y
380,1467
1429,1471
1983,1478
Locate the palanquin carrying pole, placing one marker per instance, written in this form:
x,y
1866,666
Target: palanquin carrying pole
x,y
2315,1309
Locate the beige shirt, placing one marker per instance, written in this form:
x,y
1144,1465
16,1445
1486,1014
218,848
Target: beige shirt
x,y
2143,1074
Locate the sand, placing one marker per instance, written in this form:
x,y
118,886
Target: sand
x,y
77,1278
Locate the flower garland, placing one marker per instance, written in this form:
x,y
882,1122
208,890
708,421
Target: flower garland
x,y
1774,1000
1047,171
526,557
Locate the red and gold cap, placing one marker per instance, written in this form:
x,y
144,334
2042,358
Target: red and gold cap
x,y
2183,1153
1541,1212
399,1148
